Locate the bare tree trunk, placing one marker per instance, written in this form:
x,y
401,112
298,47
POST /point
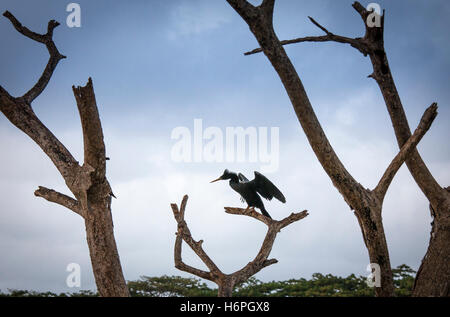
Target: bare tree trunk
x,y
98,219
103,252
225,288
433,276
87,182
375,241
366,203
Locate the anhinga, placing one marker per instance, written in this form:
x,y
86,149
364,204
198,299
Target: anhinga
x,y
249,190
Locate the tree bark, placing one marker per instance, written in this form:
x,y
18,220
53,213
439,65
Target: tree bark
x,y
374,238
227,282
87,182
225,288
433,276
366,203
98,219
103,253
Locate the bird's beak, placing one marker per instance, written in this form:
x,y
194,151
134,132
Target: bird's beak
x,y
220,178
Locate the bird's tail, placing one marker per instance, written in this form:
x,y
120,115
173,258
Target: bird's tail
x,y
265,213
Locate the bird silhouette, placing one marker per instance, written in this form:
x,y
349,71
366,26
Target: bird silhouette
x,y
250,190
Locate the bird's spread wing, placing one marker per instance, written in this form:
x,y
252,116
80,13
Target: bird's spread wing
x,y
266,188
242,178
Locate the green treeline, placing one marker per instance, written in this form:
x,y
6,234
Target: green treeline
x,y
318,285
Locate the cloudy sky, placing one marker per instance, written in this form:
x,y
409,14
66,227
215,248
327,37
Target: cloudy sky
x,y
158,65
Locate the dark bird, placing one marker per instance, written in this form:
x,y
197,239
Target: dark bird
x,y
249,190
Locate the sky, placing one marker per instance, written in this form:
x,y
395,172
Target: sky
x,y
160,65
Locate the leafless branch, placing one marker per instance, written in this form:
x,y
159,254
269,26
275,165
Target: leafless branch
x,y
274,226
183,233
365,203
360,9
58,198
319,26
269,222
329,37
27,32
292,218
20,113
243,8
226,282
94,146
267,6
87,182
424,125
372,44
179,264
55,56
249,212
433,274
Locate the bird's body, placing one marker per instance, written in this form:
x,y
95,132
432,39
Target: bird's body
x,y
250,196
250,191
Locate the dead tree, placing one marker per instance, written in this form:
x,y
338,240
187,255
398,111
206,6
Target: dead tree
x,y
87,182
366,203
433,276
226,282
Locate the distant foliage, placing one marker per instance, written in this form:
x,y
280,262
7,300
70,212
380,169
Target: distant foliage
x,y
319,285
326,285
403,280
165,286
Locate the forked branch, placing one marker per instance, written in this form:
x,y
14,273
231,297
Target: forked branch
x,y
280,224
58,198
226,282
88,184
366,203
19,111
55,56
329,37
183,233
424,125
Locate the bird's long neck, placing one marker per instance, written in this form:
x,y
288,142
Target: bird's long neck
x,y
234,178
